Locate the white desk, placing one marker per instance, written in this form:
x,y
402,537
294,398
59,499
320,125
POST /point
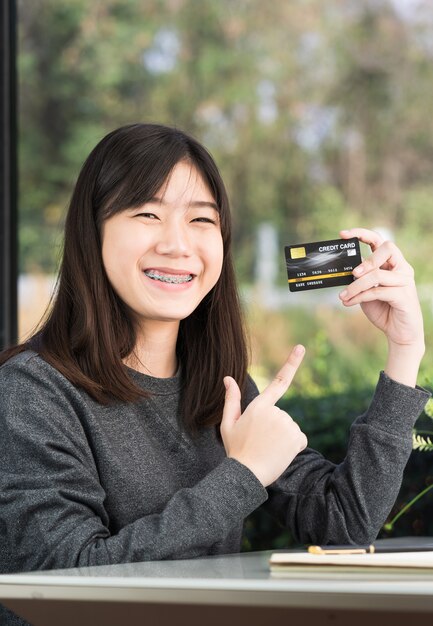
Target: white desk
x,y
216,591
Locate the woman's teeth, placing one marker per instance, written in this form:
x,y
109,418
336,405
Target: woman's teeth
x,y
169,278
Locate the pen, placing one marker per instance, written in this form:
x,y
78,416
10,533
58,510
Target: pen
x,y
369,549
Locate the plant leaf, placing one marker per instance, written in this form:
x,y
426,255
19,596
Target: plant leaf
x,y
420,443
429,408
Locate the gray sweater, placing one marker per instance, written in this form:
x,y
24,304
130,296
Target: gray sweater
x,y
86,484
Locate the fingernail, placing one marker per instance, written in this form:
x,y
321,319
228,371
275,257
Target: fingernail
x,y
358,270
343,294
344,232
226,382
299,350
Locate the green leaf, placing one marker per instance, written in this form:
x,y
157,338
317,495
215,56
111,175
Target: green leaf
x,y
423,444
429,408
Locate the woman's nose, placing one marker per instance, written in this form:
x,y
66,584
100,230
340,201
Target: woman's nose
x,y
174,240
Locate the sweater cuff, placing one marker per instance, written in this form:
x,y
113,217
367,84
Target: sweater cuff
x,y
233,489
395,406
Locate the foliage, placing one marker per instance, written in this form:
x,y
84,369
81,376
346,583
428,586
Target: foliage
x,y
313,110
429,408
421,441
423,444
343,350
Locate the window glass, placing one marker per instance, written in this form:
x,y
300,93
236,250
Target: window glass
x,y
318,115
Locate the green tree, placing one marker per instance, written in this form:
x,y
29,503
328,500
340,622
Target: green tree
x,y
317,113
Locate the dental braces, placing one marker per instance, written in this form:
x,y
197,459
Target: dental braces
x,y
169,279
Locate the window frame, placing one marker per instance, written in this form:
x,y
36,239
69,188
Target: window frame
x,y
8,176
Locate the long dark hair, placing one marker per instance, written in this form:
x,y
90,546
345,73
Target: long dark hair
x,y
89,330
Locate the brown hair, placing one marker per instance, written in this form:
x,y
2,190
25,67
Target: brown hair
x,y
89,330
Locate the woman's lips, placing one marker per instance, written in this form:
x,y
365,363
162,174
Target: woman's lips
x,y
171,278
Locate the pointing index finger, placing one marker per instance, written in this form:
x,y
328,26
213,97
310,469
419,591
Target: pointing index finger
x,y
279,385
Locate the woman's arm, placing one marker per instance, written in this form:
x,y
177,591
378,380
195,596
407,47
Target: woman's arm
x,y
54,509
348,503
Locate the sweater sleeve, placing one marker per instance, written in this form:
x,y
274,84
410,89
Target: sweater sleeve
x,y
52,512
348,503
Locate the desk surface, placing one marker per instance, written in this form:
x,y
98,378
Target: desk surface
x,y
239,580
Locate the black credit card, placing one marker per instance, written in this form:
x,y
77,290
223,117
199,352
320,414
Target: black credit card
x,y
322,263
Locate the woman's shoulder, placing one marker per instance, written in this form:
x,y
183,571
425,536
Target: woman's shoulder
x,y
29,385
24,362
28,369
27,360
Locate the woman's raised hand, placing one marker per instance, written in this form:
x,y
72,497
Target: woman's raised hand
x,y
385,289
264,438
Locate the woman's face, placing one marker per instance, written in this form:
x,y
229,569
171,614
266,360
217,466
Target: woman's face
x,y
165,256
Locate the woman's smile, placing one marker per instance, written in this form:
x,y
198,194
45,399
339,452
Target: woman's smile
x,y
170,276
170,279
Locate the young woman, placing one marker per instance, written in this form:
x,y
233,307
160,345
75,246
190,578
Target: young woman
x,y
130,429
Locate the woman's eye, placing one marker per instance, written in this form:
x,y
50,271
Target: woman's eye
x,y
204,220
150,216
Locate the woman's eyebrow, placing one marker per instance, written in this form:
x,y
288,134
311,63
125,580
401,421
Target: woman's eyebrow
x,y
196,204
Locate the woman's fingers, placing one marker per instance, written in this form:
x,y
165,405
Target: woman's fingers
x,y
384,294
376,283
388,256
282,381
264,437
370,237
385,268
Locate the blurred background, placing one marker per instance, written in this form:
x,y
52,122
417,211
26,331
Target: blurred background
x,y
318,115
